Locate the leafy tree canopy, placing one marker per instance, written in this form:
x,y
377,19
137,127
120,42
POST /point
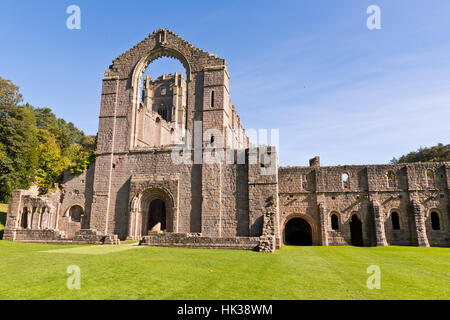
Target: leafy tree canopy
x,y
436,153
36,146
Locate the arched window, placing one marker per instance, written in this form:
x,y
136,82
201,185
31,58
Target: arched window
x,y
395,221
76,213
430,178
334,222
345,180
391,179
435,223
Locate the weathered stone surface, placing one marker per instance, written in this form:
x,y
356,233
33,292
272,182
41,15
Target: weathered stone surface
x,y
135,185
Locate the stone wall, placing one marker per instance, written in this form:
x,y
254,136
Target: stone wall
x,y
212,198
200,242
373,193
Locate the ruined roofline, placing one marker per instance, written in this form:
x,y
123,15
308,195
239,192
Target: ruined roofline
x,y
439,163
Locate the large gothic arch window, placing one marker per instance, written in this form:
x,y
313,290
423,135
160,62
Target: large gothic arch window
x,y
163,94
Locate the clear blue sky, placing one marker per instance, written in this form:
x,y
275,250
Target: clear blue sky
x,y
311,69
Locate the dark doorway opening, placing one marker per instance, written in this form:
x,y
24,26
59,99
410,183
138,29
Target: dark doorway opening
x,y
356,231
157,216
298,232
435,224
24,220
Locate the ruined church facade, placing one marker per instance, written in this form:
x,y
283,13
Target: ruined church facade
x,y
156,181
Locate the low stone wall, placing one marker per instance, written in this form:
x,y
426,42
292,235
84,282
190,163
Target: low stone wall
x,y
30,235
188,240
84,236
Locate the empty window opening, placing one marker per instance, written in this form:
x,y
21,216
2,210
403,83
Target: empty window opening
x,y
345,180
265,160
435,223
334,222
391,179
395,221
430,178
76,213
212,99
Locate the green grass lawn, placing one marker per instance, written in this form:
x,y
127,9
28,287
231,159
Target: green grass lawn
x,y
3,211
36,271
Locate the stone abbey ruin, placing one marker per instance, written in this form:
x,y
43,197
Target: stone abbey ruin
x,y
136,190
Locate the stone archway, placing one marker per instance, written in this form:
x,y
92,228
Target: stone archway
x,y
298,232
151,210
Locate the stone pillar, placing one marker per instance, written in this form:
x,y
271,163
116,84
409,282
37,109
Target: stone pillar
x,y
419,221
323,224
40,219
380,234
130,225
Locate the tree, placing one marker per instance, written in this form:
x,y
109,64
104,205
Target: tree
x,y
51,162
36,146
436,153
18,141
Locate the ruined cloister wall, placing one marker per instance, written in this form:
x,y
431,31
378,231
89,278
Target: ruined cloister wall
x,y
370,195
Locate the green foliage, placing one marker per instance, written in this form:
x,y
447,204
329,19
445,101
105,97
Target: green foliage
x,y
51,162
18,141
391,175
436,153
9,93
36,146
83,163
